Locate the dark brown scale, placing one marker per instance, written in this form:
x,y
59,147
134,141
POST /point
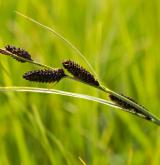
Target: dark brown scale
x,y
120,102
128,106
45,76
132,100
79,72
19,52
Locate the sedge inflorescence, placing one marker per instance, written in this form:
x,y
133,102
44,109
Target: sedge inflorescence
x,y
80,73
120,102
129,107
18,52
45,76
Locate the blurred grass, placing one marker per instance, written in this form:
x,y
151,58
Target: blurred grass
x,y
121,41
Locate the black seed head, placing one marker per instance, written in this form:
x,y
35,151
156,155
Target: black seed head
x,y
130,108
19,52
79,72
45,76
120,102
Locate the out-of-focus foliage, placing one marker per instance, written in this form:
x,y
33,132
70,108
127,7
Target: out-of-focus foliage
x,y
121,39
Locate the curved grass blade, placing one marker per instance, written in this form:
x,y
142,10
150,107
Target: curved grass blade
x,y
75,95
58,92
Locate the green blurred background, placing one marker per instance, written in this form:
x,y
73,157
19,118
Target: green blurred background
x,y
121,39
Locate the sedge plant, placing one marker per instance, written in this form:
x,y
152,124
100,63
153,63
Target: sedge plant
x,y
73,71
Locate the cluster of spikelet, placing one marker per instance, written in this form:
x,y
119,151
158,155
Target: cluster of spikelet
x,y
50,75
45,76
76,71
18,52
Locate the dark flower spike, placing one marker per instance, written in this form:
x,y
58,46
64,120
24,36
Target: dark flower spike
x,y
128,107
80,73
19,52
45,76
120,102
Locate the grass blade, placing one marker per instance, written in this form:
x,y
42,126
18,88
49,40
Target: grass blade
x,y
58,92
75,95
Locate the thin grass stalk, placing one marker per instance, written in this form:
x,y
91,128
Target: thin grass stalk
x,y
58,92
69,94
61,38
